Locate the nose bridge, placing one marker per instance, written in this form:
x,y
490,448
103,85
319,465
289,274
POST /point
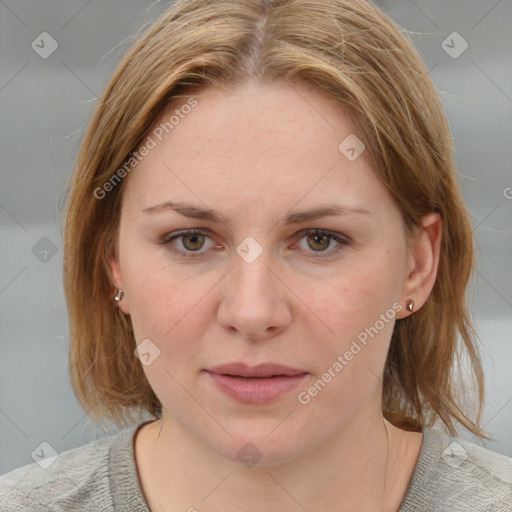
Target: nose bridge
x,y
252,275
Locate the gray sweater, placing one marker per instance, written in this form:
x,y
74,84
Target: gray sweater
x,y
451,475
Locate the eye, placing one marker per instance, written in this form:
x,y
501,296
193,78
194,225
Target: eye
x,y
192,241
319,240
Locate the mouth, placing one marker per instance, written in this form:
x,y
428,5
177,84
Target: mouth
x,y
262,371
240,377
259,384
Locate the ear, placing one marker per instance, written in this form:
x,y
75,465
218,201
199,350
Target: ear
x,y
422,262
115,269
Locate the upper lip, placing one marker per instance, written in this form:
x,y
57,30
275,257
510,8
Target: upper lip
x,y
260,370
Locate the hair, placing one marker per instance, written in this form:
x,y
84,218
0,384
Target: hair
x,y
358,58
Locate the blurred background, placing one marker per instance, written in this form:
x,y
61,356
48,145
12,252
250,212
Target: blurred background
x,y
56,58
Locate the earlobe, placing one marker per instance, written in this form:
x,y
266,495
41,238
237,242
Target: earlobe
x,y
119,297
424,256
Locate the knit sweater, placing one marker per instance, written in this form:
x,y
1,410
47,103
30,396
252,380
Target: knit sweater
x,y
451,475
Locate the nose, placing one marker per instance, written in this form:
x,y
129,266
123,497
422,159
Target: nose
x,y
255,302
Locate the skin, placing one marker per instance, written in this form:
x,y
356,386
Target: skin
x,y
257,154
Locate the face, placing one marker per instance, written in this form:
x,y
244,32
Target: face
x,y
263,284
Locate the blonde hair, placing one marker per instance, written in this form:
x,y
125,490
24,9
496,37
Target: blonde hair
x,y
357,57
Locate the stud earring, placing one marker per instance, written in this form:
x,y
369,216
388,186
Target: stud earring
x,y
409,304
118,296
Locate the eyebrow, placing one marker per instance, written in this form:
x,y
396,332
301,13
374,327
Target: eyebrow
x,y
207,214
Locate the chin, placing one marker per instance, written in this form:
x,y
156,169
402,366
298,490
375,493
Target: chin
x,y
260,443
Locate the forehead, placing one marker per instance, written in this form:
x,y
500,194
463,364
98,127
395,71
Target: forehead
x,y
266,144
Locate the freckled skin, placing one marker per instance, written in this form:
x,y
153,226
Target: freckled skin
x,y
255,156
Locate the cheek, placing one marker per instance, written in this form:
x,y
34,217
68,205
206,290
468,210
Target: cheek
x,y
160,294
358,311
356,295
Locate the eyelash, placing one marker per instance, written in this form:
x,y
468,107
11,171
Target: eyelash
x,y
342,241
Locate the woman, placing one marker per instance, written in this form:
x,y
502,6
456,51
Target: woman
x,y
267,250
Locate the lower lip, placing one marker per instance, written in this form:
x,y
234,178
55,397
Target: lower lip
x,y
256,390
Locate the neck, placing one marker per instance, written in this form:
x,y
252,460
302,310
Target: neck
x,y
366,467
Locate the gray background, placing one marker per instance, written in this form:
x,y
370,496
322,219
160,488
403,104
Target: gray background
x,y
45,105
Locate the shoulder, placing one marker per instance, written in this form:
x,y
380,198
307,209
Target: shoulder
x,y
457,475
77,479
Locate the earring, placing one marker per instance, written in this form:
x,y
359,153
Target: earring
x,y
118,296
409,304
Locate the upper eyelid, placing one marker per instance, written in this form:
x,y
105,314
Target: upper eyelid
x,y
302,232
